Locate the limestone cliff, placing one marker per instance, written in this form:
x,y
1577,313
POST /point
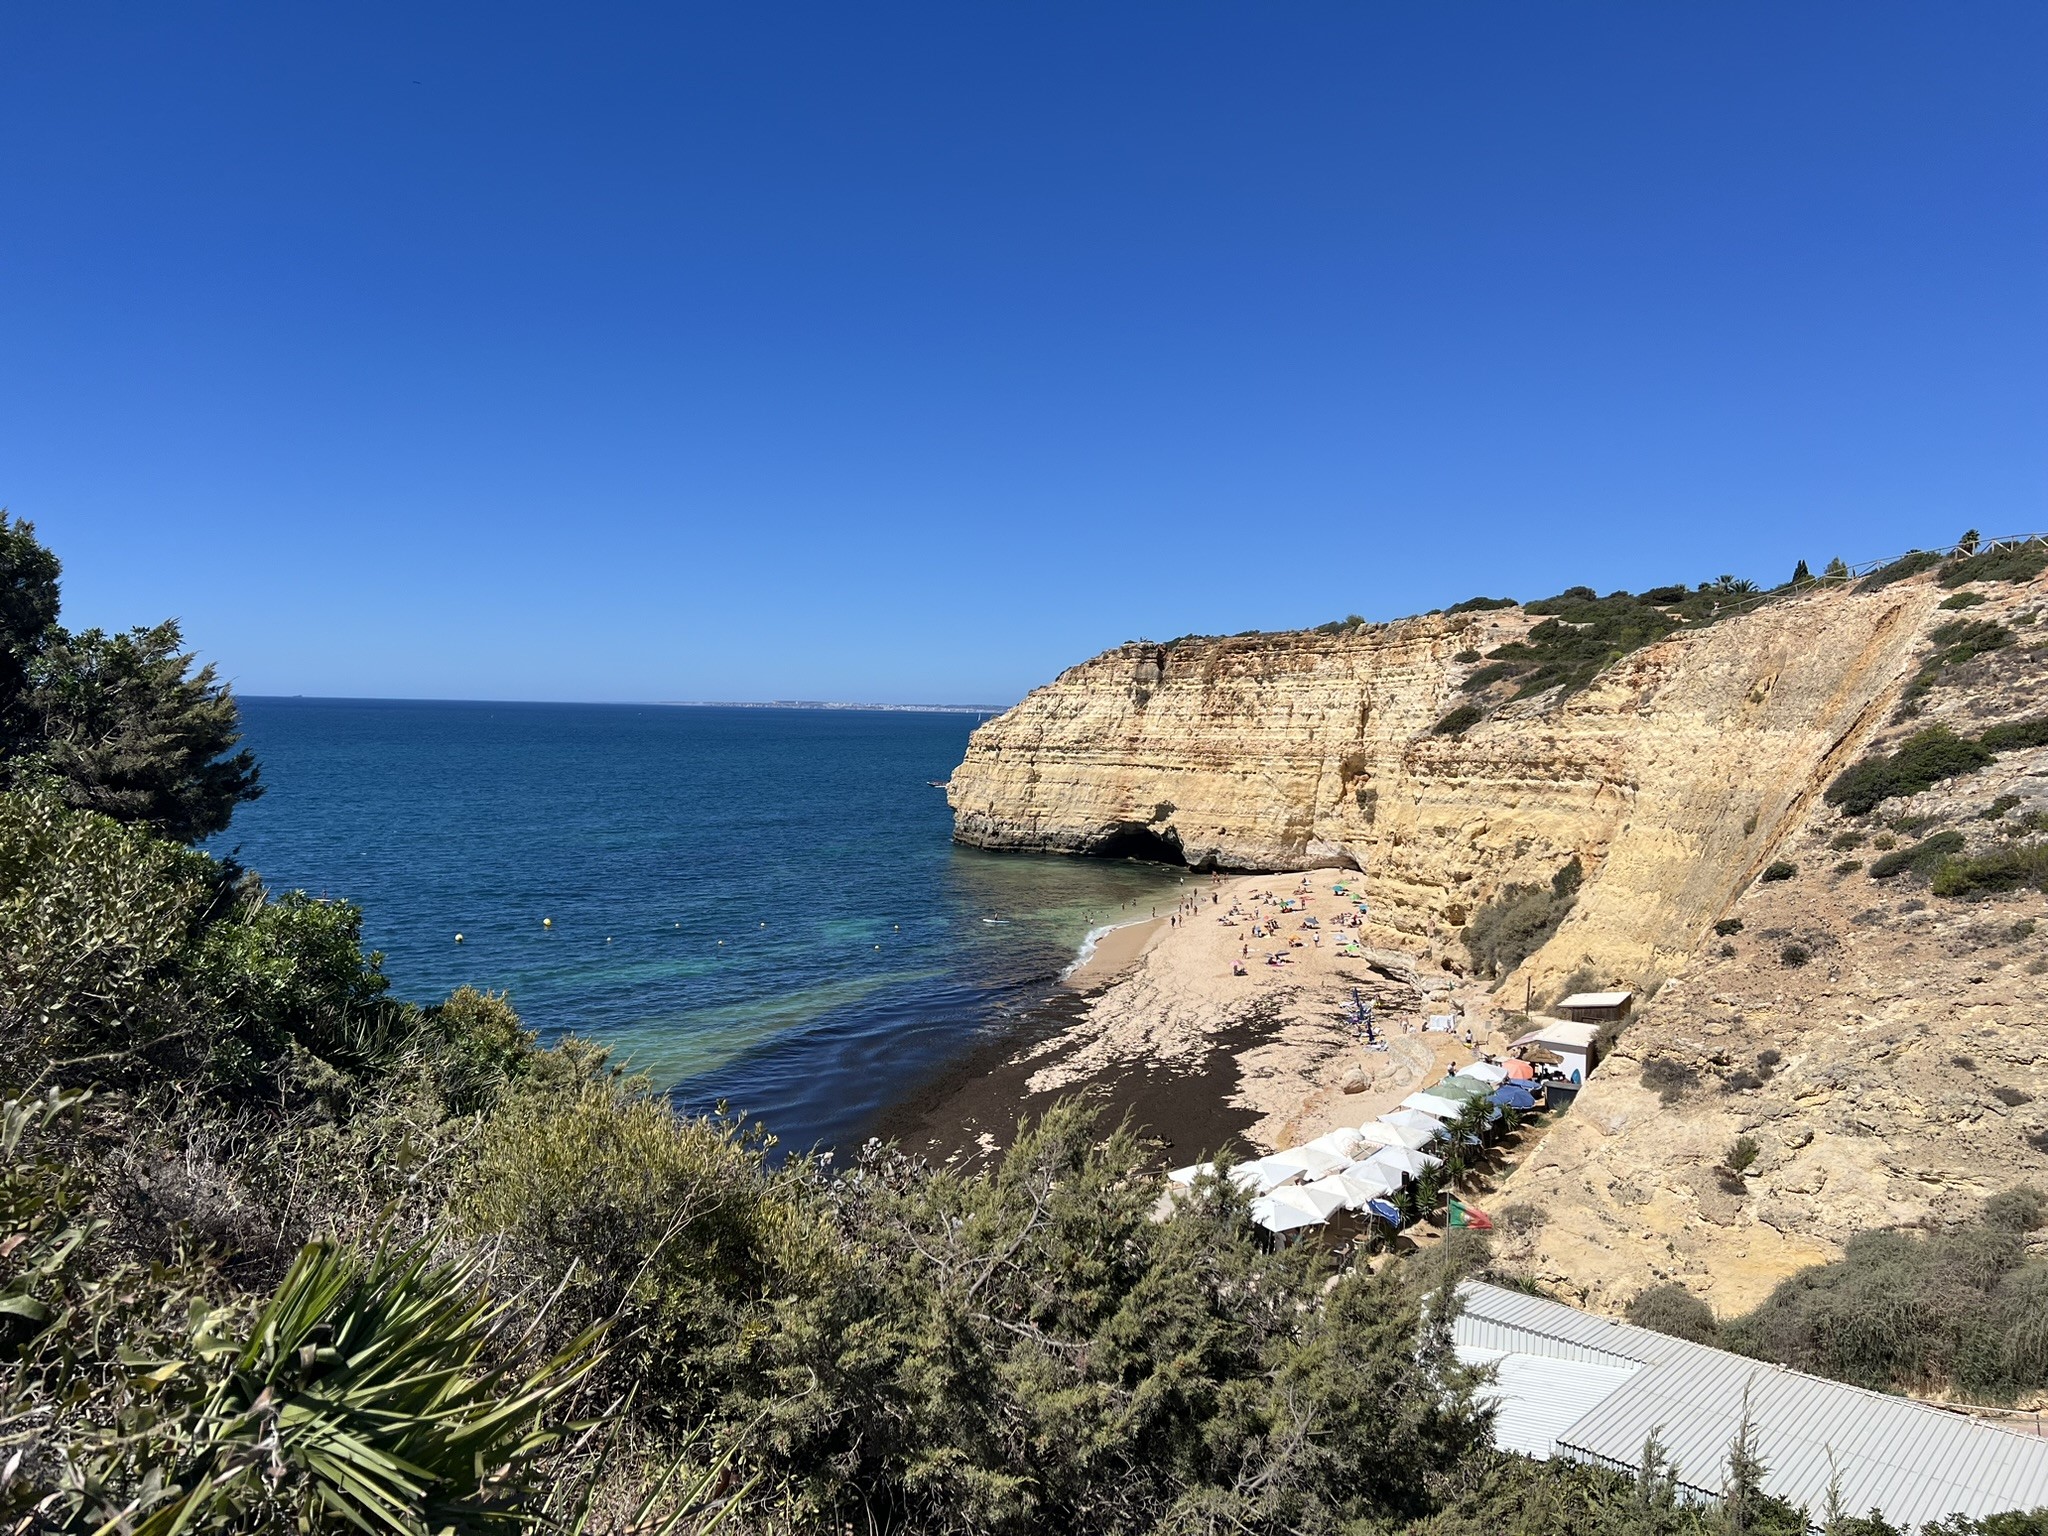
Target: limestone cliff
x,y
1673,778
1884,1049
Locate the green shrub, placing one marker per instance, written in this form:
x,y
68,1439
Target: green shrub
x,y
1517,922
1848,866
1962,600
1728,926
1793,956
1741,1155
1487,676
1922,760
1671,1309
1776,870
1480,604
1923,858
1465,658
2001,869
2022,1208
2015,735
1581,636
1458,721
1998,807
1906,565
1955,643
2002,562
1964,1311
1842,842
1669,1079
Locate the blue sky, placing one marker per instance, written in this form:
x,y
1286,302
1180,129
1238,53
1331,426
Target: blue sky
x,y
914,353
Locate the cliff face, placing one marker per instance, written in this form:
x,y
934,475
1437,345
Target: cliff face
x,y
1882,1047
1673,778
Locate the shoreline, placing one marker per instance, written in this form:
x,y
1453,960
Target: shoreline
x,y
1108,952
1154,1024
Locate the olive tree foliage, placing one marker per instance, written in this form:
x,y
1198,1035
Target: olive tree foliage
x,y
123,722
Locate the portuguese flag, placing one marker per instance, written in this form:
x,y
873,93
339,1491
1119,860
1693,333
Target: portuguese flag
x,y
1460,1215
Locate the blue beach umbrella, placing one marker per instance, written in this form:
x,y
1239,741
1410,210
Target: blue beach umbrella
x,y
1514,1096
1384,1209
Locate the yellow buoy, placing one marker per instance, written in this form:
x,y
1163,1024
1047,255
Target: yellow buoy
x,y
547,922
458,938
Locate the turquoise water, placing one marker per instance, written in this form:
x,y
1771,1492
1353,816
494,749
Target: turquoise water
x,y
760,906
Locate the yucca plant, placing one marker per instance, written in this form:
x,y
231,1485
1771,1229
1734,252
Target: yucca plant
x,y
362,1395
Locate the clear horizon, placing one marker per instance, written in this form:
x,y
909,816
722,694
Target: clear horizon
x,y
910,355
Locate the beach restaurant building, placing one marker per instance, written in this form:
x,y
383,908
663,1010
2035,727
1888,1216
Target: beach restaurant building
x,y
1595,1389
1571,1041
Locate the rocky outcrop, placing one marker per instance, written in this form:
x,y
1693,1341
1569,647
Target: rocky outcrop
x,y
1672,778
1884,1049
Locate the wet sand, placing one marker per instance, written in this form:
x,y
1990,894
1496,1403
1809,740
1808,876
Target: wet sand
x,y
1160,1030
1115,953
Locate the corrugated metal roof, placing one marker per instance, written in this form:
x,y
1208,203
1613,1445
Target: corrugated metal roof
x,y
1913,1461
1596,1000
1536,1399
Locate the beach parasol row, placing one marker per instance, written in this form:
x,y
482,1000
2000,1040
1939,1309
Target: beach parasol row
x,y
1359,1170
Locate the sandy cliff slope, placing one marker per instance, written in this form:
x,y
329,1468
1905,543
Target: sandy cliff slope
x,y
1905,1076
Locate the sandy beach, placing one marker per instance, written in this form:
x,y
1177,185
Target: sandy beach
x,y
1165,1030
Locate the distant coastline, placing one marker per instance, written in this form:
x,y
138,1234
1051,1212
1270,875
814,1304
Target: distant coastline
x,y
896,709
900,709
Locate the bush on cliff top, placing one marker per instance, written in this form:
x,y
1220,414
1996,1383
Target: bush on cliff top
x,y
1582,633
2004,562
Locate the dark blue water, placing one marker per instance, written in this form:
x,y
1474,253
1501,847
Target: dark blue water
x,y
761,906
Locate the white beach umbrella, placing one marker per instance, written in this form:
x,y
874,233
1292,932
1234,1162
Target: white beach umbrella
x,y
1383,1178
1314,1161
1269,1213
1412,1120
1430,1104
1486,1072
1265,1173
1312,1197
1383,1134
1403,1160
1361,1182
1192,1172
1342,1142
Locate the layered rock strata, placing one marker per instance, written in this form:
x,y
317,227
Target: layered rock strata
x,y
1672,779
1883,1048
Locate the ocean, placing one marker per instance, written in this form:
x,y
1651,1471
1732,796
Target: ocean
x,y
757,906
